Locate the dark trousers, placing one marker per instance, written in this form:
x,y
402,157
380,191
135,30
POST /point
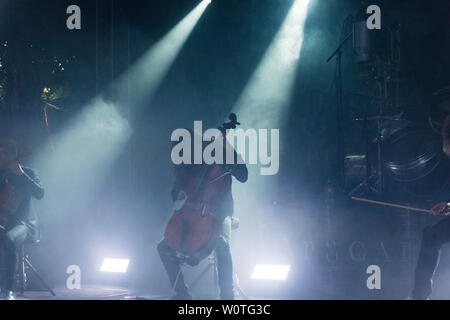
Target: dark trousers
x,y
224,268
14,238
432,240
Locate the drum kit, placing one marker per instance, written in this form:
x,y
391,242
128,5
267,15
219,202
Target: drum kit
x,y
401,152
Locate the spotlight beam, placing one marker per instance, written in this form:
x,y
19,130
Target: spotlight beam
x,y
269,90
87,149
265,100
83,156
145,76
264,103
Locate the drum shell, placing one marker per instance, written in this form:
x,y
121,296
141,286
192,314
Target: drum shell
x,y
412,153
413,161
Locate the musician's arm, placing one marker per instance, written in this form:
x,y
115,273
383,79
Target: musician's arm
x,y
238,169
33,183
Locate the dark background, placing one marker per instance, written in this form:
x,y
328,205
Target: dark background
x,y
129,213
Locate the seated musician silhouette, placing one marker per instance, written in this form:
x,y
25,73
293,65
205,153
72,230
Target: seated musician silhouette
x,y
221,206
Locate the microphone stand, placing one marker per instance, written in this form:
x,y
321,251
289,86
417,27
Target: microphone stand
x,y
339,104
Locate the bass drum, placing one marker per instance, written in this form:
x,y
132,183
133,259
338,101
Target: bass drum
x,y
413,160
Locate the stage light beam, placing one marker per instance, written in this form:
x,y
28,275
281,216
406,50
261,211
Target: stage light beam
x,y
264,104
87,148
265,99
142,80
84,153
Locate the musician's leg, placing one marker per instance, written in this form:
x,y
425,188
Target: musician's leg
x,y
225,262
432,240
172,265
14,238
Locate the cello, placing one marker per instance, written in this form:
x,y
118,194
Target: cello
x,y
193,229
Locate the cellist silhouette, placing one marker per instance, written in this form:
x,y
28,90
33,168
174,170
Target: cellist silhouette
x,y
209,205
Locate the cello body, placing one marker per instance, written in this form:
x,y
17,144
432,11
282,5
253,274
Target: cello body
x,y
194,229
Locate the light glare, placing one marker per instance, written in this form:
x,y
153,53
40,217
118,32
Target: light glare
x,y
271,272
115,265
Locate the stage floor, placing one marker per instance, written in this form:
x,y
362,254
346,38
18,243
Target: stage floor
x,y
96,292
90,292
